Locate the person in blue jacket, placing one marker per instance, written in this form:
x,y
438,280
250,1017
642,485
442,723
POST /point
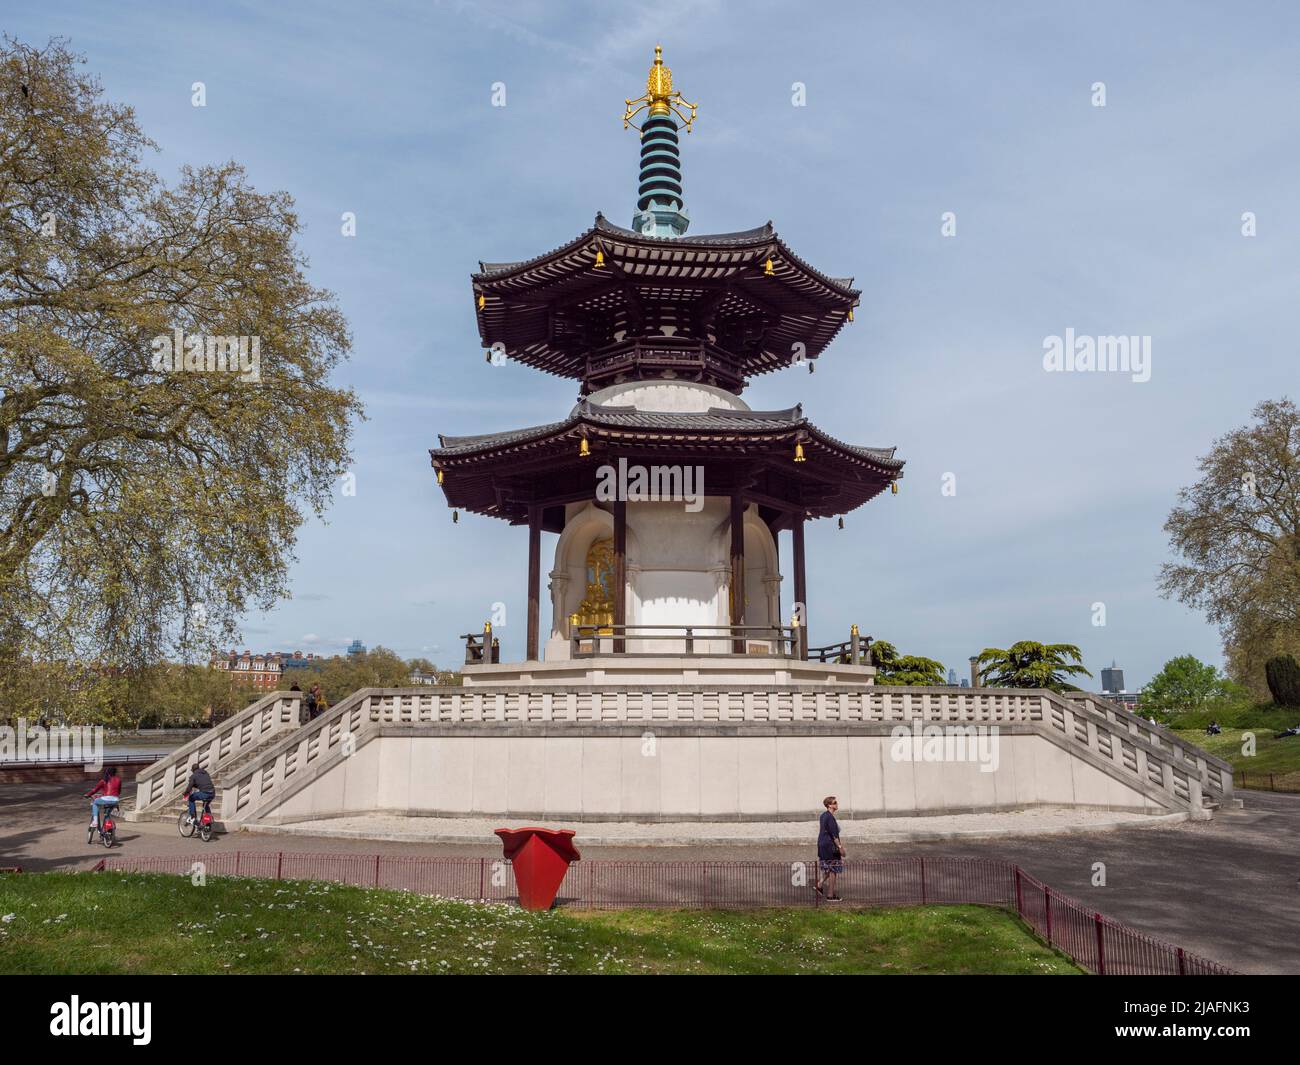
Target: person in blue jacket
x,y
830,851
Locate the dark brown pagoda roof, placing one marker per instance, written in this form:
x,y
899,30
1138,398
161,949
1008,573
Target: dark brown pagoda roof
x,y
499,473
558,310
715,419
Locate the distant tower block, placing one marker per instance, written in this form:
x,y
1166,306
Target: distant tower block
x,y
1112,679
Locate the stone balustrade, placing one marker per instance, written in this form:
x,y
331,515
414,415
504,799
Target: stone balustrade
x,y
220,747
1169,773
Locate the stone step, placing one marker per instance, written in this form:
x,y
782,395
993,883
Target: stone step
x,y
170,815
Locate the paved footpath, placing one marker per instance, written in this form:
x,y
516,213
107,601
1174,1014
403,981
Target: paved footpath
x,y
1228,889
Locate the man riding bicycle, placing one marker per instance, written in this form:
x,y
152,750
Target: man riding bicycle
x,y
111,785
199,788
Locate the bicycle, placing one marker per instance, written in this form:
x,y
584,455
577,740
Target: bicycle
x,y
187,825
104,824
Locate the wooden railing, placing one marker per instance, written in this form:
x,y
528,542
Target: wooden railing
x,y
676,641
1174,774
855,651
481,648
164,781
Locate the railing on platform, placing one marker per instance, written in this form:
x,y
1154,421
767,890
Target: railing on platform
x,y
676,641
481,648
855,651
1095,942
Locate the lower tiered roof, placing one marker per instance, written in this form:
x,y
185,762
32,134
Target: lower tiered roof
x,y
754,452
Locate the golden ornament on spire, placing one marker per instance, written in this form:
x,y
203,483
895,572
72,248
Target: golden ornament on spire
x,y
660,98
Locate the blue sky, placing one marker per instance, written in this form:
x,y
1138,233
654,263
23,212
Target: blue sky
x,y
1123,219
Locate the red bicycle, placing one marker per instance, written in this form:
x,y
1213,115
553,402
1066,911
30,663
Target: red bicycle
x,y
104,824
188,825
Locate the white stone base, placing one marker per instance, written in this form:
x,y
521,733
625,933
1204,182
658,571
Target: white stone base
x,y
653,773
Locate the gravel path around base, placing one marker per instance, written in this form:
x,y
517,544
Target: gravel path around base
x,y
1039,821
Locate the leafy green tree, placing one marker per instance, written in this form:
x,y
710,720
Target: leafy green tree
x,y
144,508
69,693
185,694
342,675
1236,537
1185,683
893,668
1029,664
1283,676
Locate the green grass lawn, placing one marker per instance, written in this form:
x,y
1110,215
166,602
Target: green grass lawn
x,y
1279,757
110,923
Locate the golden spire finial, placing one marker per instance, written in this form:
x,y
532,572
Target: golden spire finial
x,y
660,98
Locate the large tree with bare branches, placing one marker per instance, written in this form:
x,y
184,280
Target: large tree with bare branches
x,y
1237,534
146,500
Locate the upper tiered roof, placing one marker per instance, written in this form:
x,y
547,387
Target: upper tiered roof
x,y
650,303
716,308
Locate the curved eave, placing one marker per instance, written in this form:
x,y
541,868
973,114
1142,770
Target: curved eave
x,y
622,424
580,254
514,301
473,466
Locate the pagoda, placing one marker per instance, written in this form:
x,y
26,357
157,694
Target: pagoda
x,y
662,331
667,686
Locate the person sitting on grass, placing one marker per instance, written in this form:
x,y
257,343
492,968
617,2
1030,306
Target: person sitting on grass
x,y
1214,729
830,852
199,788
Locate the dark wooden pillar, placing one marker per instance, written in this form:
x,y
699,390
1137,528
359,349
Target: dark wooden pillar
x,y
534,580
738,567
620,569
800,583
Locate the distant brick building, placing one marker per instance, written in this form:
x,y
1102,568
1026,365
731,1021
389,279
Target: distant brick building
x,y
259,672
267,672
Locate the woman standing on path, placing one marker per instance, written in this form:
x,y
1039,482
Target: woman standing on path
x,y
830,851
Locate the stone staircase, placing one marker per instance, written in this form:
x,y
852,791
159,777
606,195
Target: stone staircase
x,y
225,751
170,811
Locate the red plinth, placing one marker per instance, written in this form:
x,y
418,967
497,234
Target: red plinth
x,y
540,857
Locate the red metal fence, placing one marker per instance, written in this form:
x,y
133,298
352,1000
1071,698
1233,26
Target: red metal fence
x,y
1289,781
1097,943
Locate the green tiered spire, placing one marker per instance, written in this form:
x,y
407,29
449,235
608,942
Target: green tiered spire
x,y
660,211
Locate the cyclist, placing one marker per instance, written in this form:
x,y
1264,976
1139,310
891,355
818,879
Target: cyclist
x,y
199,788
111,785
